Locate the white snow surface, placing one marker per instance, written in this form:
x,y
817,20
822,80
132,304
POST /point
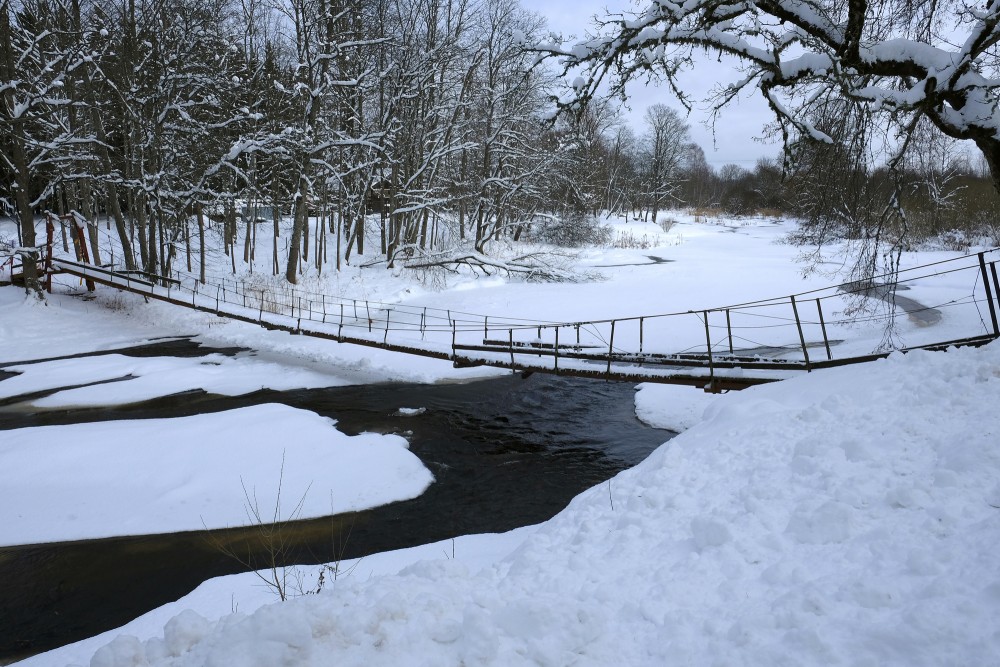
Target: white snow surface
x,y
849,516
671,407
144,378
228,594
206,471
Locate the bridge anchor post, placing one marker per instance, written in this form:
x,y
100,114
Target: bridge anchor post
x,y
989,294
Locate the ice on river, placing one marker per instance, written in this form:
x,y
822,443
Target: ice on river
x,y
165,475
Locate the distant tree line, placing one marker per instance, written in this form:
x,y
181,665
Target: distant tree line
x,y
177,118
163,112
173,119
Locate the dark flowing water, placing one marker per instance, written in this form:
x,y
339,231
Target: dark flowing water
x,y
505,452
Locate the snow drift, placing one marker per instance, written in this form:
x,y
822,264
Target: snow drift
x,y
846,517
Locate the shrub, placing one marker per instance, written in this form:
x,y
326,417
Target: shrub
x,y
666,224
574,230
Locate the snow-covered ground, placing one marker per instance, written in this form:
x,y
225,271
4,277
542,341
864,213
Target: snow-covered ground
x,y
848,516
206,471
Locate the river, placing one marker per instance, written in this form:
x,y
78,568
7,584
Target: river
x,y
505,452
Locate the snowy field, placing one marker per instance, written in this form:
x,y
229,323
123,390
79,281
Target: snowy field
x,y
848,516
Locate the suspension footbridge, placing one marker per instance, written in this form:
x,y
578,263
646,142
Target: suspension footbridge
x,y
720,348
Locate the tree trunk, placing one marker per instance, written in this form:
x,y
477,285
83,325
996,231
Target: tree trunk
x,y
22,177
340,235
991,152
187,242
276,215
251,213
201,242
298,222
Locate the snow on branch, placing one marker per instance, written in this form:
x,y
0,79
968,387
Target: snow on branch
x,y
540,266
901,60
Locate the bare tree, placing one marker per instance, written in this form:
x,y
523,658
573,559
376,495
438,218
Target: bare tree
x,y
37,54
935,166
662,154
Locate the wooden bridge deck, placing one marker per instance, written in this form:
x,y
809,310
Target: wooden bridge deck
x,y
717,349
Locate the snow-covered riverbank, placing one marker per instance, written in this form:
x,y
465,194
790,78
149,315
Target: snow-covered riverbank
x,y
847,516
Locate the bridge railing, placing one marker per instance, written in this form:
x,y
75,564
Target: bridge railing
x,y
922,306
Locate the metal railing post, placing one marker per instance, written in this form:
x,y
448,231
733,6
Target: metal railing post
x,y
822,325
611,345
989,294
556,349
729,331
708,346
802,338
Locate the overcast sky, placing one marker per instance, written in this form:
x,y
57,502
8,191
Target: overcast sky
x,y
735,132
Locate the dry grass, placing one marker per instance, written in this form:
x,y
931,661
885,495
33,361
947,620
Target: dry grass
x,y
627,240
704,214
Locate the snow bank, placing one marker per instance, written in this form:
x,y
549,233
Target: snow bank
x,y
61,326
166,475
850,516
673,407
153,377
245,592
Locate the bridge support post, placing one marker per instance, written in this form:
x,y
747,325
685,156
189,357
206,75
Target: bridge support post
x,y
802,338
556,349
989,294
729,331
611,346
822,325
711,362
84,253
996,283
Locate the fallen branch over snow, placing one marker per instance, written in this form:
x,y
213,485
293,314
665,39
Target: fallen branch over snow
x,y
534,266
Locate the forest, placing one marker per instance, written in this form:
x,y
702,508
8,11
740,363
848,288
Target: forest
x,y
426,125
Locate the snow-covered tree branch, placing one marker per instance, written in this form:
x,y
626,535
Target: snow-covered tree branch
x,y
901,61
